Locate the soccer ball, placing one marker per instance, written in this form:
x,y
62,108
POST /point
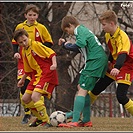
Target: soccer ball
x,y
57,117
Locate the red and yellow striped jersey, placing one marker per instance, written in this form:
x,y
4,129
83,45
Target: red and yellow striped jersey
x,y
37,32
119,43
37,60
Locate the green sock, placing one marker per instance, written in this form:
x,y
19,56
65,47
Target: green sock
x,y
69,114
86,110
78,107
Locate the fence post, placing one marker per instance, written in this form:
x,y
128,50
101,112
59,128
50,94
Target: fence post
x,y
110,103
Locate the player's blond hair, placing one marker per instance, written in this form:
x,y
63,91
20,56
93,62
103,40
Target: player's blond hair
x,y
109,16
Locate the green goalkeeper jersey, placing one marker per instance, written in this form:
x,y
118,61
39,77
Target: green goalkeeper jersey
x,y
92,51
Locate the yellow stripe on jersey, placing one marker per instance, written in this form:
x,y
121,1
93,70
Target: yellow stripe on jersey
x,y
45,86
126,80
110,76
127,77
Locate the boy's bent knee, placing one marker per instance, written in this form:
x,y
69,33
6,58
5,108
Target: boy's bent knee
x,y
26,98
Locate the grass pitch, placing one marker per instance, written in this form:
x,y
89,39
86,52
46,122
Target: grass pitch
x,y
99,124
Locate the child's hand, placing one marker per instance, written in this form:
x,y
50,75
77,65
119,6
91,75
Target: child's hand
x,y
20,83
61,40
67,42
17,56
114,72
53,67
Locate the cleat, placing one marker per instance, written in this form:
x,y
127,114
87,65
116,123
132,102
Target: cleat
x,y
26,118
45,124
62,125
35,123
87,124
70,124
81,124
68,120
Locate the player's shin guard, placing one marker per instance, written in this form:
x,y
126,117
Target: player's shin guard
x,y
86,110
78,107
30,105
33,110
129,106
26,110
92,97
40,107
42,98
35,113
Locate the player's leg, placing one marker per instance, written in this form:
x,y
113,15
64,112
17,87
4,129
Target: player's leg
x,y
85,83
39,104
27,112
35,113
87,107
41,109
78,107
86,113
122,98
70,113
100,86
124,83
30,104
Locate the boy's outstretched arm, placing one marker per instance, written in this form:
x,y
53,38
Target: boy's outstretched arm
x,y
54,63
68,46
71,47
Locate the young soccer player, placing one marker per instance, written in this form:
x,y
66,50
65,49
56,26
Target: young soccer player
x,y
37,32
95,60
40,64
120,61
